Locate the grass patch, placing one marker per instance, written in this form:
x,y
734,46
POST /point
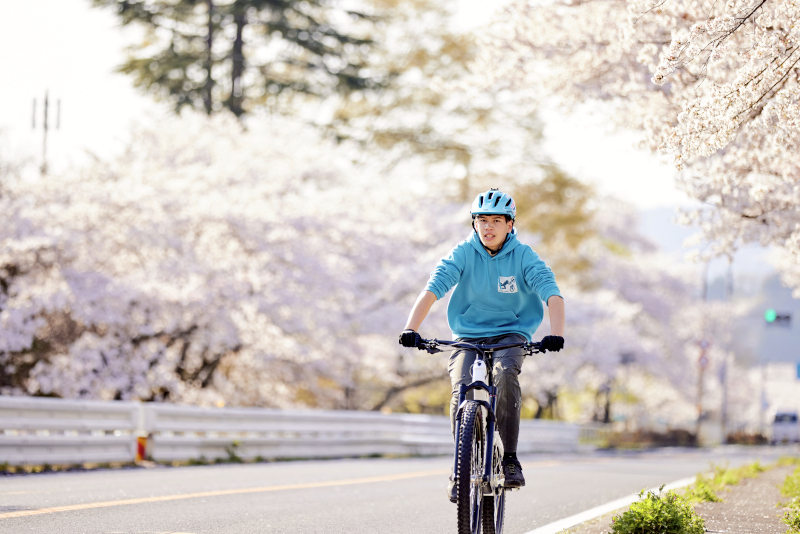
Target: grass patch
x,y
791,485
791,488
708,486
703,490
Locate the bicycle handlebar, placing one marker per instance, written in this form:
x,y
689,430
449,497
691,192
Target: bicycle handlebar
x,y
432,346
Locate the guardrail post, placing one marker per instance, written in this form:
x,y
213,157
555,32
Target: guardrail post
x,y
142,433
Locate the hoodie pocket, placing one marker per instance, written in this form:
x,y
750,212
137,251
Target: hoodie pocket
x,y
476,317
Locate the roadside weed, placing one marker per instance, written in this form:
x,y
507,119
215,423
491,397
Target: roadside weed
x,y
703,490
792,516
788,460
791,485
752,470
791,488
656,512
707,487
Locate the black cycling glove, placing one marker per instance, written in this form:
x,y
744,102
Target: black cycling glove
x,y
410,338
553,343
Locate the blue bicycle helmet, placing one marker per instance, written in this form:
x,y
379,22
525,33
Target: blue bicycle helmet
x,y
494,202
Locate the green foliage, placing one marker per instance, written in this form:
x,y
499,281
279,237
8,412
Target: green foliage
x,y
558,209
788,460
703,490
237,55
707,487
659,514
233,453
476,139
792,516
791,485
791,488
752,470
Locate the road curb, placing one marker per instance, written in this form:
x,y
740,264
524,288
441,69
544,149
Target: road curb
x,y
603,509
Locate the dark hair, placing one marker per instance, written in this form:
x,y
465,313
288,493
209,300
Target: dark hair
x,y
476,215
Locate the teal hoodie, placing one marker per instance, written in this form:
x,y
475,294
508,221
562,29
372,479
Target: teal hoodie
x,y
493,295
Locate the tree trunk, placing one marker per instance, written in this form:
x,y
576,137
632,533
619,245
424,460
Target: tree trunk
x,y
237,57
209,86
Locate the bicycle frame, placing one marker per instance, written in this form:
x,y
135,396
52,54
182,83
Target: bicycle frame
x,y
481,381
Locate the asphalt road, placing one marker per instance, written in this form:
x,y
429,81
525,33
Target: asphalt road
x,y
339,496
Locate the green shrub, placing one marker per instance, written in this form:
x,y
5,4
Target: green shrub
x,y
659,514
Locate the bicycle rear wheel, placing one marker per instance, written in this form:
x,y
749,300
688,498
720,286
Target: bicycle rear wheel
x,y
471,450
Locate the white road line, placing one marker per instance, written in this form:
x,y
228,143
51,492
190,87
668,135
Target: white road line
x,y
594,513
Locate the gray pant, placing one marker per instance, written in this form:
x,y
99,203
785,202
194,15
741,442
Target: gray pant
x,y
507,364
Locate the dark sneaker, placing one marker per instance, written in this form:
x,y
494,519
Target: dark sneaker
x,y
451,489
512,471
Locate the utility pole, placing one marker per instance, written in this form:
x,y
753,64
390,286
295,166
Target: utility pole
x,y
723,372
45,127
702,363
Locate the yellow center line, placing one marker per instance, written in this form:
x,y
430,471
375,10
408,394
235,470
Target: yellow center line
x,y
165,498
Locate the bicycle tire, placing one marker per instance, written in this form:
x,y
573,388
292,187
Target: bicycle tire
x,y
494,512
471,449
494,506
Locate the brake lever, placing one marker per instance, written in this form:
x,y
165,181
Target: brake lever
x,y
431,348
534,348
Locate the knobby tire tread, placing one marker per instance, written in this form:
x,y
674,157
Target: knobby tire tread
x,y
490,519
471,429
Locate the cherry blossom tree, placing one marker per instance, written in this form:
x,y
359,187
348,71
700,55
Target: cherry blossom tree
x,y
208,264
635,323
713,85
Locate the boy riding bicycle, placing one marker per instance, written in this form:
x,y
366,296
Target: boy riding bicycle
x,y
500,284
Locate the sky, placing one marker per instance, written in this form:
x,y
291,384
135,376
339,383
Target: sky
x,y
69,50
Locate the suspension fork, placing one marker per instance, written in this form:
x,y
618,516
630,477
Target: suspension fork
x,y
462,396
490,426
490,420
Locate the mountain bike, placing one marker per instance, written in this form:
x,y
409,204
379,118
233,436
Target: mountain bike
x,y
478,463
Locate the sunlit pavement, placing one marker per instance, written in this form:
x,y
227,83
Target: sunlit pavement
x,y
388,495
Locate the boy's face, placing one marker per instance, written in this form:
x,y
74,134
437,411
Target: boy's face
x,y
492,230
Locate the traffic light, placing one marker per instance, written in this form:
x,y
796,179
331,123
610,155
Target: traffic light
x,y
774,318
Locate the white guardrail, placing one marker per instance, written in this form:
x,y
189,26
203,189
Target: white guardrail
x,y
57,431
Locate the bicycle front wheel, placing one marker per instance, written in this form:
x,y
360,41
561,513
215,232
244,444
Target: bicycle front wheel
x,y
494,505
471,451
